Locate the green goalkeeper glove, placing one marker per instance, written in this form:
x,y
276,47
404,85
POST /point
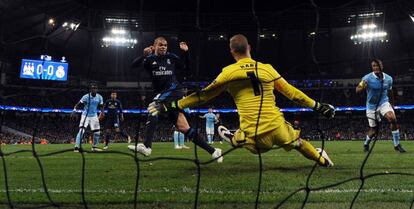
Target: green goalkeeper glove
x,y
157,108
325,109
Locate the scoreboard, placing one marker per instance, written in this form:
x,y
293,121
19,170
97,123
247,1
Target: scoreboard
x,y
44,70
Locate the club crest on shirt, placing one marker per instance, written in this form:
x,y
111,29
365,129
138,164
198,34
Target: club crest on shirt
x,y
168,61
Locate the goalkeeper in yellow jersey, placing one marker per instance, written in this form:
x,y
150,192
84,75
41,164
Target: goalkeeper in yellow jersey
x,y
251,85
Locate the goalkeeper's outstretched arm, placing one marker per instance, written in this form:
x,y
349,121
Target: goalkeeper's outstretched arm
x,y
200,97
194,99
302,99
293,93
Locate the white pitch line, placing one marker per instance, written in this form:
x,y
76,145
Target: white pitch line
x,y
203,191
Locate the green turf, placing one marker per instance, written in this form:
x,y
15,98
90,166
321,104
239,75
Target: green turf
x,y
110,178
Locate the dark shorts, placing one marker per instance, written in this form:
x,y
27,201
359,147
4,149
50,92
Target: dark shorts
x,y
112,123
172,94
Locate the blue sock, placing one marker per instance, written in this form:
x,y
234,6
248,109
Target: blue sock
x,y
96,136
181,136
176,138
396,137
79,137
209,138
367,140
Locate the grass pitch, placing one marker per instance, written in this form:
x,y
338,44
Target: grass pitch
x,y
164,183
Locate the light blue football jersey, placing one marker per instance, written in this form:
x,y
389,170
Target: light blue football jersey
x,y
90,104
377,90
210,118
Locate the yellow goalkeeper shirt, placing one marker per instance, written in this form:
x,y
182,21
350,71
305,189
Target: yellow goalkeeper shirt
x,y
246,87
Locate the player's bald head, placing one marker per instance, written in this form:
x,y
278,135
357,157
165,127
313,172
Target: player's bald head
x,y
239,44
159,39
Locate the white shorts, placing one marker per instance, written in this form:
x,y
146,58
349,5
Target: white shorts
x,y
374,115
91,121
210,131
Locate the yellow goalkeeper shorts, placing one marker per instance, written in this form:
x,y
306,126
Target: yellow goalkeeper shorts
x,y
284,136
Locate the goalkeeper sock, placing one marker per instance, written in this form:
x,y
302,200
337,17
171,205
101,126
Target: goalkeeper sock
x,y
79,137
396,137
367,140
192,135
310,152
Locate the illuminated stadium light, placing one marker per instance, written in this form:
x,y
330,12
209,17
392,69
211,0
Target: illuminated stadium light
x,y
217,37
118,41
70,25
51,21
412,17
369,26
356,18
118,31
369,36
118,21
118,35
268,36
369,33
313,33
370,14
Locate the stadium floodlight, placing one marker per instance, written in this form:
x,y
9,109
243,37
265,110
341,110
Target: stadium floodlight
x,y
369,33
370,14
125,22
71,25
369,26
412,17
118,31
51,21
268,36
364,16
116,20
313,33
118,41
217,37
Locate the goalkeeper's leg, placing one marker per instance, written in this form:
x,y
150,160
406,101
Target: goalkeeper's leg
x,y
287,137
307,150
